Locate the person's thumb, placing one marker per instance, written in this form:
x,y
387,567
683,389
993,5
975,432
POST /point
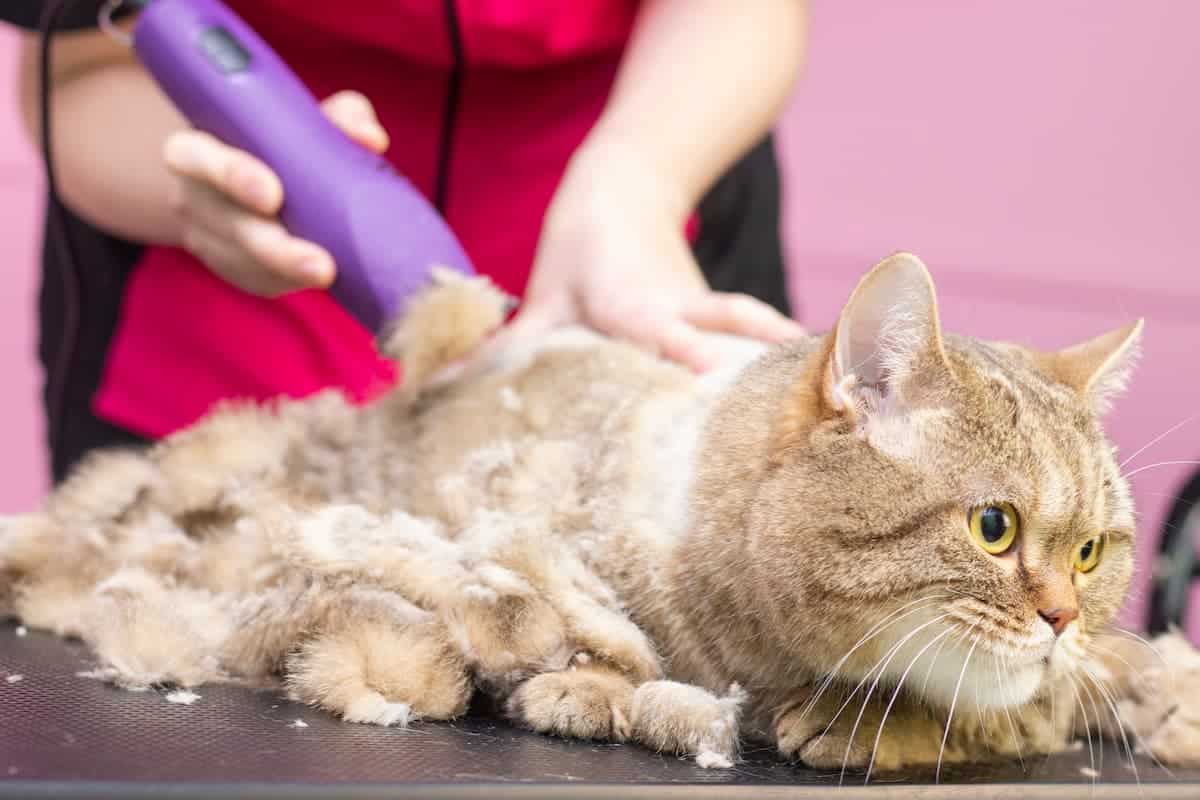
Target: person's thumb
x,y
354,114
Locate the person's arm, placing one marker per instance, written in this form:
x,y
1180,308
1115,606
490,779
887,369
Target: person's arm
x,y
109,122
130,164
701,82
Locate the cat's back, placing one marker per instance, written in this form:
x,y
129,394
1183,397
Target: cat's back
x,y
574,392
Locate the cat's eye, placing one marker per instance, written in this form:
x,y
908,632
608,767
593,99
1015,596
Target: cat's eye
x,y
994,527
1088,554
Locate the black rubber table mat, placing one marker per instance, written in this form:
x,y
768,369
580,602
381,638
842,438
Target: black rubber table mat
x,y
62,735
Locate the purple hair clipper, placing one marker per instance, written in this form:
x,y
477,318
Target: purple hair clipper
x,y
384,236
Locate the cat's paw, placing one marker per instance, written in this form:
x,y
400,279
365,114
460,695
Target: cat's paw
x,y
579,703
833,734
1161,708
680,718
372,708
811,736
375,672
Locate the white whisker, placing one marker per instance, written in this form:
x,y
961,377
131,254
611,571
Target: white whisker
x,y
895,694
870,634
1157,439
1140,741
1129,475
1087,727
954,701
1131,635
1099,729
883,667
1007,713
928,672
1112,707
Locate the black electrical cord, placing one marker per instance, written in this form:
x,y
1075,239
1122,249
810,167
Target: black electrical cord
x,y
449,117
58,233
58,224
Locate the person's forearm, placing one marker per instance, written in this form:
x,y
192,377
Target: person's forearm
x,y
702,81
109,123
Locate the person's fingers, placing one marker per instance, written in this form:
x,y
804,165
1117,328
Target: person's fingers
x,y
262,245
661,331
229,262
354,114
678,341
740,315
241,176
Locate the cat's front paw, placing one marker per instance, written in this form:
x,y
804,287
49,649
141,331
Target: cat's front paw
x,y
372,708
830,733
809,733
1162,709
579,703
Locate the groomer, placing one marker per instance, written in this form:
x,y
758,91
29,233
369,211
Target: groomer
x,y
609,161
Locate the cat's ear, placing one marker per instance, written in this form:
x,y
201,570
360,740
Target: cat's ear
x,y
1100,368
887,345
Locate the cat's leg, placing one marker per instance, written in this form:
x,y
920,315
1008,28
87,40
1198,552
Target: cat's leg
x,y
834,729
591,700
75,528
888,732
378,672
145,632
584,701
1142,695
686,720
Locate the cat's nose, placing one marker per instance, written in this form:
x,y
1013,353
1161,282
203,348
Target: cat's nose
x,y
1059,618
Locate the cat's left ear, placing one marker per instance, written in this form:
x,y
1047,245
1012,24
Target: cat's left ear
x,y
1100,368
887,346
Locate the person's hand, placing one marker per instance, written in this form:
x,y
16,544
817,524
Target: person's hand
x,y
613,256
226,200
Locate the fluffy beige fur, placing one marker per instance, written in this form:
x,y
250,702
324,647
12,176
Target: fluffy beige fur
x,y
615,548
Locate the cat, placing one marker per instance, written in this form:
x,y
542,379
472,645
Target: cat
x,y
881,547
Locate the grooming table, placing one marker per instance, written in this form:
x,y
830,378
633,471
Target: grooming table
x,y
65,736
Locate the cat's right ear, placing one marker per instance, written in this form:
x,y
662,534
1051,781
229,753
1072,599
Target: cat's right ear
x,y
887,346
1100,368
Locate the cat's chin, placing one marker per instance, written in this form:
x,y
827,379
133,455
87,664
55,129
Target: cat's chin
x,y
987,681
971,674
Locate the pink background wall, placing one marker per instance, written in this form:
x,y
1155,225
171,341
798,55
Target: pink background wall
x,y
1041,158
22,457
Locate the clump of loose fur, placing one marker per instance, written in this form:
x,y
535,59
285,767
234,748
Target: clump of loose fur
x,y
606,543
443,325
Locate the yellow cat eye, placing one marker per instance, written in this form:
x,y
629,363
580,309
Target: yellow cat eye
x,y
994,526
1088,554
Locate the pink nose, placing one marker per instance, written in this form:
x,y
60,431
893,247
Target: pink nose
x,y
1059,618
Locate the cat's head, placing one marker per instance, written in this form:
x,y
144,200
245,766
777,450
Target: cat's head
x,y
959,493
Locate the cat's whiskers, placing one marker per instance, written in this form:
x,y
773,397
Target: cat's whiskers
x,y
875,630
1096,713
1129,475
1000,620
882,667
895,694
1140,741
866,677
1158,439
1112,707
929,672
1139,640
1011,723
1087,725
950,717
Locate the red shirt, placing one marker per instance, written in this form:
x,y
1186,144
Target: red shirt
x,y
534,77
